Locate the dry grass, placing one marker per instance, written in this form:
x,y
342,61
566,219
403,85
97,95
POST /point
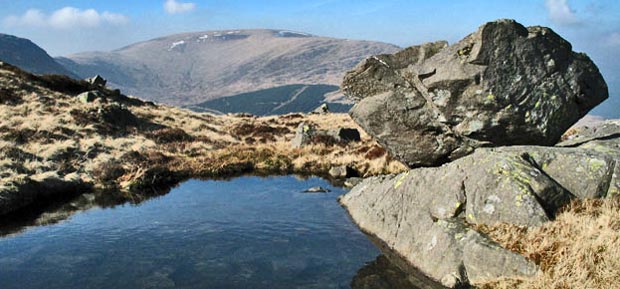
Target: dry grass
x,y
580,249
123,144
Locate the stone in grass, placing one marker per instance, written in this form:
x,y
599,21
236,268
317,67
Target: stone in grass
x,y
344,171
89,96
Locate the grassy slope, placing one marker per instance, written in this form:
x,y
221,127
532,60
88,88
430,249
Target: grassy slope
x,y
49,141
274,101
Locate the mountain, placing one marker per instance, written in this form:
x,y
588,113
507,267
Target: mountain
x,y
29,56
191,68
273,101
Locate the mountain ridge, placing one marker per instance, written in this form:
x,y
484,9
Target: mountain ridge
x,y
193,67
29,56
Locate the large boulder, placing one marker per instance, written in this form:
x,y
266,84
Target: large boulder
x,y
426,214
504,84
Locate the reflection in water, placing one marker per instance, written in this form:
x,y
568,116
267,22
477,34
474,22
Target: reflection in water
x,y
51,212
205,234
381,274
246,233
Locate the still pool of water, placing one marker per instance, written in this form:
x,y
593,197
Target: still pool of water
x,y
249,232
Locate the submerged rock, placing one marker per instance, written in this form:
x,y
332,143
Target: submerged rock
x,y
382,274
317,190
504,84
352,182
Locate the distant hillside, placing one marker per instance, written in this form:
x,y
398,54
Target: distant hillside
x,y
28,56
190,68
273,101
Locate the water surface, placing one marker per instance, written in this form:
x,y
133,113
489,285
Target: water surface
x,y
249,232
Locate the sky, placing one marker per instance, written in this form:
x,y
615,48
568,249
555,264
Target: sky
x,y
63,27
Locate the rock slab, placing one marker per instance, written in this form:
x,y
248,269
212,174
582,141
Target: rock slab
x,y
425,215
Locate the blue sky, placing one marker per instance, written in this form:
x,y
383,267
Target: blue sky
x,y
64,27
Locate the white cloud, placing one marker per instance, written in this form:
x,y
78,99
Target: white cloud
x,y
613,39
66,18
174,7
561,13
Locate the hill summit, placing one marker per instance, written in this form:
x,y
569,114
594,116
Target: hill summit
x,y
189,68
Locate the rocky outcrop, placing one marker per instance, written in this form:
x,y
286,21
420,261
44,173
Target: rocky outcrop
x,y
450,112
307,133
426,215
504,84
97,80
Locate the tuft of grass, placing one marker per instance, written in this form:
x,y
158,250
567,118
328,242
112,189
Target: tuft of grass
x,y
9,97
169,135
580,249
108,172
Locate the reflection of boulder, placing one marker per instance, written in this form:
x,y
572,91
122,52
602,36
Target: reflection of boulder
x,y
504,84
381,274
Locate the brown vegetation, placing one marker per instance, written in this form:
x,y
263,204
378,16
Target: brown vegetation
x,y
122,144
580,249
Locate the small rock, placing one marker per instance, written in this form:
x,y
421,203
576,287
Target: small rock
x,y
352,182
89,96
345,135
303,135
341,172
322,109
97,80
317,190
